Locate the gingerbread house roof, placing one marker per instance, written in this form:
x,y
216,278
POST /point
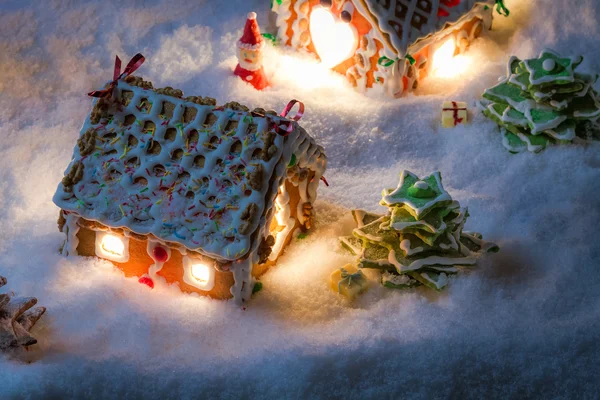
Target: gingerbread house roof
x,y
404,22
182,170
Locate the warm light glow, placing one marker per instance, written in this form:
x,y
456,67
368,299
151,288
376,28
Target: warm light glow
x,y
198,273
445,64
201,272
444,54
113,244
307,74
112,247
335,41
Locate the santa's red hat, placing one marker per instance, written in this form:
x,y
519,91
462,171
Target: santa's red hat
x,y
251,39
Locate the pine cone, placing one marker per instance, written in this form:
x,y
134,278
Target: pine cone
x,y
16,319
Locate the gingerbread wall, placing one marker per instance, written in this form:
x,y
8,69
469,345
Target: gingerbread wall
x,y
172,270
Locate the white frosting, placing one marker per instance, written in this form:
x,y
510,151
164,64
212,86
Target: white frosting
x,y
284,219
567,134
432,25
157,265
412,41
485,246
358,250
207,222
421,185
366,55
530,146
443,196
242,274
296,29
359,215
283,13
549,64
405,247
549,78
441,282
433,260
397,279
72,241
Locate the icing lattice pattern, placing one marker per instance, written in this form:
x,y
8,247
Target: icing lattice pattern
x,y
194,174
405,21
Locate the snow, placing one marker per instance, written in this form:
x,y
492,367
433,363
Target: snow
x,y
526,323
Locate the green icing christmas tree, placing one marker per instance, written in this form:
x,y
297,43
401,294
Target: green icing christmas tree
x,y
543,100
421,240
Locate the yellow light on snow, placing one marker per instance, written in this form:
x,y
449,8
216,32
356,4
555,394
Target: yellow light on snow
x,y
307,74
201,272
113,244
445,64
335,41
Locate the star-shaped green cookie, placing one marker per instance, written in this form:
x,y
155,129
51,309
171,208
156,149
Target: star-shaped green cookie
x,y
565,131
475,243
373,233
541,119
506,93
521,80
419,196
362,217
507,117
433,222
398,281
519,142
586,107
433,280
550,69
352,244
383,255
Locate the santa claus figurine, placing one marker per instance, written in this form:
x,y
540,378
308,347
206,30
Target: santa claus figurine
x,y
250,55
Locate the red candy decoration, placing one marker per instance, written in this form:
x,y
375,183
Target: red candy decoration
x,y
146,280
160,254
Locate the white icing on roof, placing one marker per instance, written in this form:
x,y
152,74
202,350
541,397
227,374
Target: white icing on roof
x,y
197,189
406,21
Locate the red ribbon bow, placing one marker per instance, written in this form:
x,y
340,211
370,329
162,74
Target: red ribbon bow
x,y
290,127
133,65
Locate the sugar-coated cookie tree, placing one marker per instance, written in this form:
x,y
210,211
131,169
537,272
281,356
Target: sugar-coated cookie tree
x,y
543,100
421,240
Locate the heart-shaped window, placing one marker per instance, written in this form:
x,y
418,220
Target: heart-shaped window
x,y
335,41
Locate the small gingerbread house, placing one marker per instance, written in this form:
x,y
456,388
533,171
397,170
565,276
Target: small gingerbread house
x,y
382,45
179,189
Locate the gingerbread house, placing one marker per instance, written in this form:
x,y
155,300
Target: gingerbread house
x,y
387,46
179,190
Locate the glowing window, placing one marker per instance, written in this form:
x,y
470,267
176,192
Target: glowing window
x,y
112,246
335,41
198,273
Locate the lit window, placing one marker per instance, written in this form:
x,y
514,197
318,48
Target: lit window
x,y
112,246
335,41
198,273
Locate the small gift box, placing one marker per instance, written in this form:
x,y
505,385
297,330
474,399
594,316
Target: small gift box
x,y
454,113
348,282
